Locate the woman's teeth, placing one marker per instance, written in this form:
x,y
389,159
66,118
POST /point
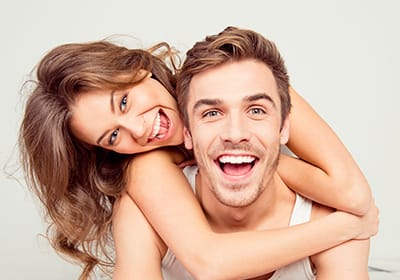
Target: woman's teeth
x,y
157,124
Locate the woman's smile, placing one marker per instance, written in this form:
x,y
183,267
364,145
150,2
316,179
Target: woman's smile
x,y
161,127
138,119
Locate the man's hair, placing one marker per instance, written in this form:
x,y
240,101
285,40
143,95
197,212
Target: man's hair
x,y
232,44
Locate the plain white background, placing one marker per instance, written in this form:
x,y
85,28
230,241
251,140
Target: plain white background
x,y
343,57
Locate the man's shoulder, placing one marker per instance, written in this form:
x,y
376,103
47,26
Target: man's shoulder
x,y
350,258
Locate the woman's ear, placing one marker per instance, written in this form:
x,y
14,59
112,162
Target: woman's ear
x,y
285,131
187,137
145,73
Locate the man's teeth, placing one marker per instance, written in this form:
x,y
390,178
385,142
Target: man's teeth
x,y
236,159
156,128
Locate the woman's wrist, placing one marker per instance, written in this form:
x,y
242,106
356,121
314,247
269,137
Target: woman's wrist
x,y
357,227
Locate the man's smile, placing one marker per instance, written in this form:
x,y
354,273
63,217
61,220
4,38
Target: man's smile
x,y
236,165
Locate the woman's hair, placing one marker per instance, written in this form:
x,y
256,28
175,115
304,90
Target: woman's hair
x,y
76,182
232,44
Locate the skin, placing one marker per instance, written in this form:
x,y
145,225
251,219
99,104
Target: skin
x,y
240,122
136,120
139,249
260,252
339,181
245,129
89,123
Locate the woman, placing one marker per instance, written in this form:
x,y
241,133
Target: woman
x,y
87,95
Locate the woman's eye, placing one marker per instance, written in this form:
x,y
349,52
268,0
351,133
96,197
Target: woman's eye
x,y
124,100
113,137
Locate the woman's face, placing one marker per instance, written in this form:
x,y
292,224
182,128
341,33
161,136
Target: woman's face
x,y
130,121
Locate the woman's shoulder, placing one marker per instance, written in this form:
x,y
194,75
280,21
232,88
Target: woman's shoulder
x,y
121,206
159,156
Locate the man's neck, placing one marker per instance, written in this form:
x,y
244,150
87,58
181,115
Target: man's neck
x,y
272,209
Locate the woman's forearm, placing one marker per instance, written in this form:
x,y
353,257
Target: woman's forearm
x,y
313,183
168,203
328,173
248,254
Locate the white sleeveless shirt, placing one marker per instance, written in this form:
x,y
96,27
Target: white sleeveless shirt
x,y
172,269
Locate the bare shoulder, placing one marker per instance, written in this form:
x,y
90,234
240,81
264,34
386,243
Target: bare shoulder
x,y
129,221
138,248
348,260
154,166
123,206
161,155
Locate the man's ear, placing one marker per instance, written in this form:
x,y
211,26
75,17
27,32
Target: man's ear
x,y
187,139
285,131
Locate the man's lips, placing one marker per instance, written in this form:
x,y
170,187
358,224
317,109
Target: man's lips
x,y
236,165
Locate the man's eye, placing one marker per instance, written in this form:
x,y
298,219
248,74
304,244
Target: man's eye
x,y
210,114
257,111
124,100
113,137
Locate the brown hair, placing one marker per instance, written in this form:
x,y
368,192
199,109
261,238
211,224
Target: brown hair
x,y
78,183
232,44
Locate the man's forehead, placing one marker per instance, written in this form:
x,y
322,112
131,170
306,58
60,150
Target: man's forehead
x,y
238,79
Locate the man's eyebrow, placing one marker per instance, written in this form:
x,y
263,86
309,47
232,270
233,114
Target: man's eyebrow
x,y
207,102
258,96
216,101
112,110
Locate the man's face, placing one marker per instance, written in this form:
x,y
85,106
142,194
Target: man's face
x,y
234,119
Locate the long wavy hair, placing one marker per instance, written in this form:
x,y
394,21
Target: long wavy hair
x,y
76,182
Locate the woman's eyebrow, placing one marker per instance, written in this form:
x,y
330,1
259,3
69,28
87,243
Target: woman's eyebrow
x,y
101,138
112,105
112,101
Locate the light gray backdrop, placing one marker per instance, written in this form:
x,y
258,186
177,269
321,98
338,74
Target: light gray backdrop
x,y
343,57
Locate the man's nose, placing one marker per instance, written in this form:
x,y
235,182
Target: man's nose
x,y
235,129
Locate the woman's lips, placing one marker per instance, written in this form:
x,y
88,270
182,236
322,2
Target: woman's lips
x,y
161,127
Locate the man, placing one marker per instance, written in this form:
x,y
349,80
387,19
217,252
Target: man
x,y
236,111
233,92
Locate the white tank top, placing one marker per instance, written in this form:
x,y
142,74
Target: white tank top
x,y
172,269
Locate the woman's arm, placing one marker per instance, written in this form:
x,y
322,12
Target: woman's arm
x,y
326,173
162,192
348,260
138,248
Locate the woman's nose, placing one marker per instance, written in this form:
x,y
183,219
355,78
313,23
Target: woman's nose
x,y
136,126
